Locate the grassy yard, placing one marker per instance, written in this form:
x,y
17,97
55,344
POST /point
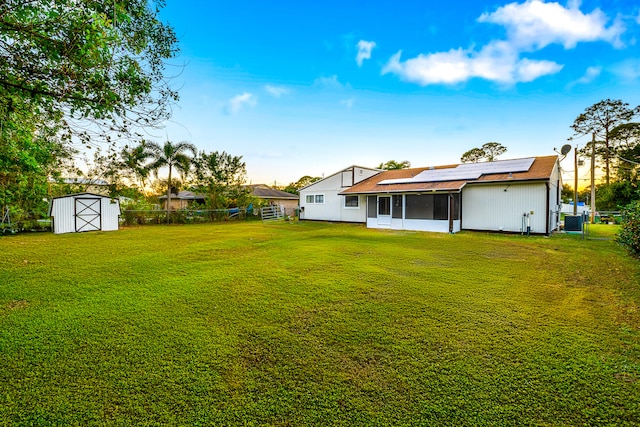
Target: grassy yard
x,y
317,324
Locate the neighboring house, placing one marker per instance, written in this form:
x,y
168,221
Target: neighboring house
x,y
183,200
80,212
287,201
520,195
322,200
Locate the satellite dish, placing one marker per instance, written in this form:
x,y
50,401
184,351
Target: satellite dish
x,y
565,149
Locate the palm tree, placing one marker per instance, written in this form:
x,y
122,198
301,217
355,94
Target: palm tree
x,y
136,161
171,155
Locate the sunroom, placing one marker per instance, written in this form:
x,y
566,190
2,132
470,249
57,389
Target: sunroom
x,y
432,211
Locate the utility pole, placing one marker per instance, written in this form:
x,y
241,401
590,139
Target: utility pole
x,y
593,177
575,180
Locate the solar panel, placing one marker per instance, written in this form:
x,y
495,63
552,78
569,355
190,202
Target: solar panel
x,y
466,171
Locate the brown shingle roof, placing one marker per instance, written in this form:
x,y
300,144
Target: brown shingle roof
x,y
264,192
541,169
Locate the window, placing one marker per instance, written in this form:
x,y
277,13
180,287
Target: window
x,y
351,201
427,206
397,207
419,206
441,207
314,198
384,205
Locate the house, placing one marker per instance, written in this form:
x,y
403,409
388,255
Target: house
x,y
518,195
183,200
81,212
322,200
287,201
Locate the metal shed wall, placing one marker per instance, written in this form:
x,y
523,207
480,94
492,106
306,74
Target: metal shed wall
x,y
63,213
501,207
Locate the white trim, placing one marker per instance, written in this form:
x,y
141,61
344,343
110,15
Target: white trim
x,y
344,204
314,198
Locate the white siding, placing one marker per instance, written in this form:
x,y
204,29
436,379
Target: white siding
x,y
63,214
333,208
501,207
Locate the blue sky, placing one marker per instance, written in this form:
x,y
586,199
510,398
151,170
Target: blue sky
x,y
308,88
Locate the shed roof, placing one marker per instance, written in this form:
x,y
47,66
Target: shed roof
x,y
404,180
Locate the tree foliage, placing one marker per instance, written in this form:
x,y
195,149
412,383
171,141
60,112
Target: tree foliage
x,y
73,61
221,176
172,155
626,142
393,165
304,181
135,163
630,231
87,71
601,119
488,152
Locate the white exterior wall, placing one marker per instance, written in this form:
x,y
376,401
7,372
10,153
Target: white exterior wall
x,y
63,212
63,215
110,214
440,226
333,209
489,207
555,200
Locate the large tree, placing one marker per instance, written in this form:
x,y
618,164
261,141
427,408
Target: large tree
x,y
626,141
221,176
393,165
600,119
135,162
294,187
91,60
488,152
75,71
172,155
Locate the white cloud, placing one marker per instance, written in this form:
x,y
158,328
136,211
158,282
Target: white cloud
x,y
527,70
236,103
536,24
590,75
329,83
347,102
496,62
628,70
276,91
364,51
531,26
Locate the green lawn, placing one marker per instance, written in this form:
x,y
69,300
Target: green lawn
x,y
317,324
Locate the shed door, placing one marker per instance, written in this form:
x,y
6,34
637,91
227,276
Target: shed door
x,y
88,216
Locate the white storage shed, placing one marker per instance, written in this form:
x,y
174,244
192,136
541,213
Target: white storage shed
x,y
75,213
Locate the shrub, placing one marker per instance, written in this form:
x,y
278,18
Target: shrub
x,y
630,232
